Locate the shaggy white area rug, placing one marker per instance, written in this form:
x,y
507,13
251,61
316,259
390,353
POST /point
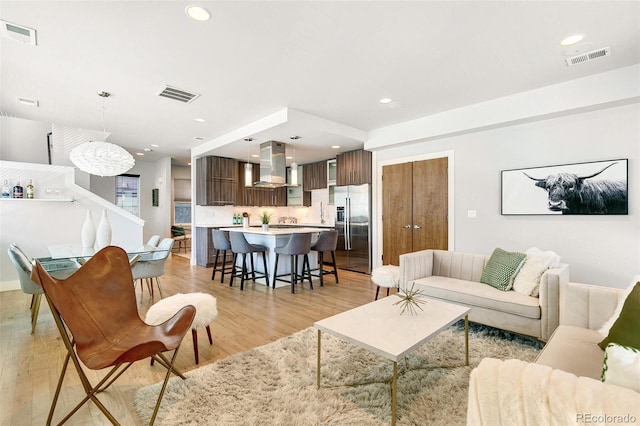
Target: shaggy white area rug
x,y
275,384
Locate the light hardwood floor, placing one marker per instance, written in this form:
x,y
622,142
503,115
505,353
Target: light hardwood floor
x,y
30,364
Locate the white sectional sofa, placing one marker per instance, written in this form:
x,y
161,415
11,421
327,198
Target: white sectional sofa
x,y
455,277
563,386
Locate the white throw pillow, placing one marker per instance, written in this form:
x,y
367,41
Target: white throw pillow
x,y
527,281
604,329
621,366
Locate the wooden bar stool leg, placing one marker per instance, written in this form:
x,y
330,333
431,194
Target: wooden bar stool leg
x,y
244,270
253,269
335,270
321,267
233,269
377,291
194,335
293,274
305,262
209,334
215,266
275,271
224,263
266,275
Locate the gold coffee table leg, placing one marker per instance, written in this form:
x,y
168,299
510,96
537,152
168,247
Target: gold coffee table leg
x,y
318,366
466,340
394,392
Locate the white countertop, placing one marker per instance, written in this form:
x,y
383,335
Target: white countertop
x,y
297,225
274,231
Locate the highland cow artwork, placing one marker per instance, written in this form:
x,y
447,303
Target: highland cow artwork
x,y
596,188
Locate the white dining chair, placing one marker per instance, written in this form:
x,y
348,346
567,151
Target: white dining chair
x,y
151,266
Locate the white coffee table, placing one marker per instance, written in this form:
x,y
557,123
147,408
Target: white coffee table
x,y
379,327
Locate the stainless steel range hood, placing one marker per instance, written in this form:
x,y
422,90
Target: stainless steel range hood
x,y
272,165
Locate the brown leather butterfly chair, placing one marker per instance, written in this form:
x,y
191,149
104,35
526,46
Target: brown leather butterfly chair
x,y
98,306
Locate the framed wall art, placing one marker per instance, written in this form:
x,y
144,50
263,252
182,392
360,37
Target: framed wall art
x,y
595,188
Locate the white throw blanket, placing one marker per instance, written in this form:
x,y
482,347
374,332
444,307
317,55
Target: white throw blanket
x,y
515,392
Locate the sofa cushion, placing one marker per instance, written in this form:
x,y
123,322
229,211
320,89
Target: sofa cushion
x,y
621,366
575,350
472,293
501,269
527,280
626,330
604,329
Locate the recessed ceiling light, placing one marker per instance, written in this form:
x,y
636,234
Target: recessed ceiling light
x,y
248,139
188,164
197,13
293,138
198,138
288,157
147,150
255,155
335,146
155,145
140,153
199,120
572,39
385,100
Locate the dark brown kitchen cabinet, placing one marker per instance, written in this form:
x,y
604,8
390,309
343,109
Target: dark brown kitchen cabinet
x,y
353,168
314,175
217,181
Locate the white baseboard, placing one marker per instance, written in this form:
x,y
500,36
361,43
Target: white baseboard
x,y
9,285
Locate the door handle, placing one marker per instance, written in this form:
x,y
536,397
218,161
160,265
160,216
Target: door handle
x,y
407,227
417,227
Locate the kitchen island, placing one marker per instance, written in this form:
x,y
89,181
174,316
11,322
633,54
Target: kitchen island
x,y
272,238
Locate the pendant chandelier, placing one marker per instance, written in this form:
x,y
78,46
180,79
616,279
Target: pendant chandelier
x,y
99,157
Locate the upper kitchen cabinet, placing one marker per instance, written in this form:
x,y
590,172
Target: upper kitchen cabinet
x,y
353,168
314,175
217,181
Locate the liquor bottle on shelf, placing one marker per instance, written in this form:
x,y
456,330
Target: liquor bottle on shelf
x,y
30,190
18,191
6,189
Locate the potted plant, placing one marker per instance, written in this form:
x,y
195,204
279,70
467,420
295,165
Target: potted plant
x,y
265,218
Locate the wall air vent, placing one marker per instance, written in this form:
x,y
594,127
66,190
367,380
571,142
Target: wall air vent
x,y
18,33
178,94
588,56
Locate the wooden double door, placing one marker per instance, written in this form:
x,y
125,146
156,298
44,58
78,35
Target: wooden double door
x,y
415,208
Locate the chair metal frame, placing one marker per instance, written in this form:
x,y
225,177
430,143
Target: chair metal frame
x,y
115,257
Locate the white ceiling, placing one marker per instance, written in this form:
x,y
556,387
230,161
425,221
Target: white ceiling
x,y
333,60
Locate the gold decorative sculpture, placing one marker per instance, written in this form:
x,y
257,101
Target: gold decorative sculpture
x,y
410,299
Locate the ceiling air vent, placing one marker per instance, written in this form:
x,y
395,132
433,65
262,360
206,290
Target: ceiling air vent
x,y
177,94
18,32
589,56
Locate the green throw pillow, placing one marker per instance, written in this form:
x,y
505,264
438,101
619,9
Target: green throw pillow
x,y
501,267
626,330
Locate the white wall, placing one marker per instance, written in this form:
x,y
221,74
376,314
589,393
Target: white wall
x,y
24,140
602,250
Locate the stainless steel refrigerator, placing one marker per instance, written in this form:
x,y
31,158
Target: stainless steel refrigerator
x,y
353,213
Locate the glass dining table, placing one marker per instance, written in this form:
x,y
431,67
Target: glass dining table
x,y
65,259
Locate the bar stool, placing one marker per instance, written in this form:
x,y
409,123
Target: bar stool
x,y
327,241
221,243
298,245
240,245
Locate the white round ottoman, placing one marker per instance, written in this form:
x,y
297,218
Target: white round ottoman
x,y
387,276
206,312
